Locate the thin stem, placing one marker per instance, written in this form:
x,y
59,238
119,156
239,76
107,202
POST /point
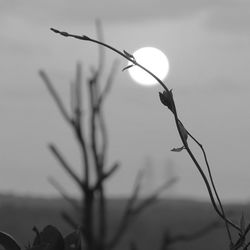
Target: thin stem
x,y
78,92
109,82
153,197
93,92
77,124
92,125
213,184
86,38
69,220
99,151
105,176
83,147
66,166
201,172
100,37
100,115
55,96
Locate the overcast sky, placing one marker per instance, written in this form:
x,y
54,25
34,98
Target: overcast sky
x,y
207,44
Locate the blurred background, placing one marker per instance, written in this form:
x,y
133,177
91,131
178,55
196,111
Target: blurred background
x,y
207,44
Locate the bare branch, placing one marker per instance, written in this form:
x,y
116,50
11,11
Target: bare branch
x,y
63,33
169,240
55,96
152,198
66,166
72,98
76,100
109,82
100,116
127,215
69,220
76,95
106,175
246,246
104,146
132,211
78,88
93,128
83,147
241,240
100,37
137,188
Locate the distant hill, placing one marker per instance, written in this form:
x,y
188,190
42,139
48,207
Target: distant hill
x,y
18,215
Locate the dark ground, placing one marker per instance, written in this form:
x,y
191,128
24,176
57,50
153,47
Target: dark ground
x,y
18,215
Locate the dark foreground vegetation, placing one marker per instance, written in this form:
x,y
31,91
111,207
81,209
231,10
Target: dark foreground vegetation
x,y
18,216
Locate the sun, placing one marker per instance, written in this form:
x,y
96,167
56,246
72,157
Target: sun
x,y
154,60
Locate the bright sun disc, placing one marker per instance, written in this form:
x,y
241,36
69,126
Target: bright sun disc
x,y
154,60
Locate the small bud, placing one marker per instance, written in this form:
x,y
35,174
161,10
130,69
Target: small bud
x,y
128,54
167,99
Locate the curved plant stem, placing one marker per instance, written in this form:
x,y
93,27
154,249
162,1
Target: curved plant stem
x,y
213,184
130,58
86,38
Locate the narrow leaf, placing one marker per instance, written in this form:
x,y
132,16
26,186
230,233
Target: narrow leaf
x,y
127,67
177,149
128,54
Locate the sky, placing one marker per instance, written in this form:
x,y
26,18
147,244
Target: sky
x,y
207,44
